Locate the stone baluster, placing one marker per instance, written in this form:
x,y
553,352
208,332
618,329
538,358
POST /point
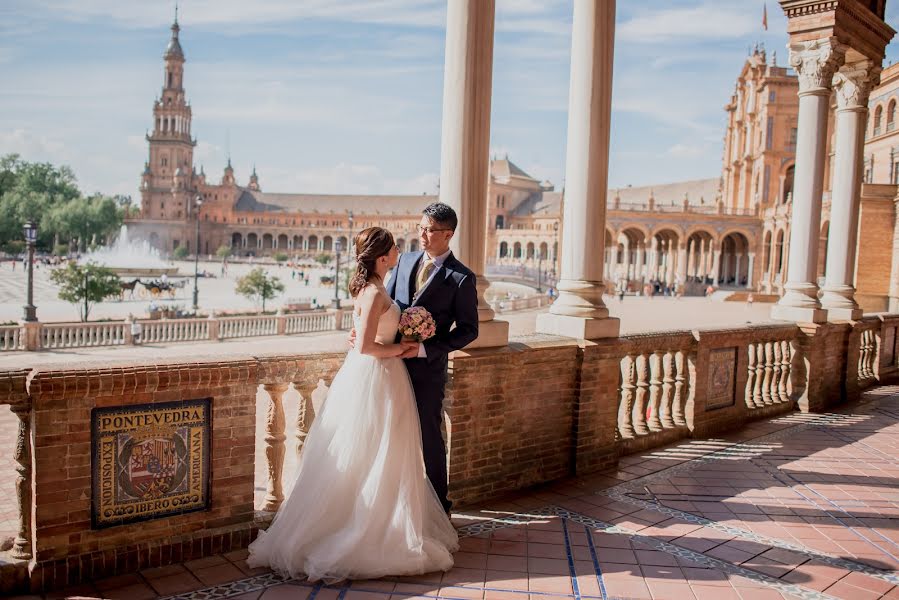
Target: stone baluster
x,y
274,445
305,414
21,547
750,380
776,373
766,382
759,374
640,396
787,356
625,409
665,410
655,389
677,404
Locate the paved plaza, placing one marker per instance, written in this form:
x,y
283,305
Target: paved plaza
x,y
802,506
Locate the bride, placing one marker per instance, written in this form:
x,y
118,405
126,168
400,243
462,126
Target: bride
x,y
362,506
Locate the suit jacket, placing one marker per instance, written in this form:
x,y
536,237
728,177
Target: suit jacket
x,y
451,297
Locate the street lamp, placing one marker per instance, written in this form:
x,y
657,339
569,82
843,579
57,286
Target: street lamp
x,y
30,231
337,249
198,202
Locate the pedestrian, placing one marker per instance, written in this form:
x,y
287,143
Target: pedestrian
x,y
136,329
621,294
750,299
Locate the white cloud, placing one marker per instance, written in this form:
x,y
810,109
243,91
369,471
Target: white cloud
x,y
215,13
32,146
345,178
707,21
686,150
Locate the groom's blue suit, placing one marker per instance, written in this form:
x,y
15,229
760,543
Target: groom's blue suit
x,y
451,297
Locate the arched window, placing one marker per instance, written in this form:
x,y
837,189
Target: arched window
x,y
878,117
530,251
169,79
500,222
503,250
516,250
891,115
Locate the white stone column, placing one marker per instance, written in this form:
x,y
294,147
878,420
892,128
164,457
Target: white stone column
x,y
716,265
653,257
682,263
465,142
852,84
579,310
626,262
815,63
638,269
749,272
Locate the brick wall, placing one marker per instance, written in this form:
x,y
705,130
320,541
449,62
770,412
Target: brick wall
x,y
66,549
510,418
875,247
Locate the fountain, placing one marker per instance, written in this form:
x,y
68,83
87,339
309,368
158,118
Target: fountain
x,y
127,257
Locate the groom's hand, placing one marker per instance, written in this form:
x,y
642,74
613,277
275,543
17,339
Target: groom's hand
x,y
411,349
351,339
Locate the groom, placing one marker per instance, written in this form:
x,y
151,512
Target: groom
x,y
434,279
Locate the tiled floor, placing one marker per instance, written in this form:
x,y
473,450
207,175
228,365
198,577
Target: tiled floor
x,y
804,506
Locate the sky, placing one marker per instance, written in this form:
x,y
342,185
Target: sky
x,y
344,96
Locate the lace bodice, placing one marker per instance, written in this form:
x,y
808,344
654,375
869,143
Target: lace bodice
x,y
387,325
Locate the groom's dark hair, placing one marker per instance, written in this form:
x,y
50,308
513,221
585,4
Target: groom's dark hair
x,y
442,214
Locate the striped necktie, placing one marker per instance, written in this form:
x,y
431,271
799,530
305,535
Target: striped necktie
x,y
424,272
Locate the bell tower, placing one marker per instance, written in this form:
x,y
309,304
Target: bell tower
x,y
166,183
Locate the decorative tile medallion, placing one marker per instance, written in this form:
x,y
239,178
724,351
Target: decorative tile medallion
x,y
722,366
149,461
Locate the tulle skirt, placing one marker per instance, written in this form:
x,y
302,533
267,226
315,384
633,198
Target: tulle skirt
x,y
361,505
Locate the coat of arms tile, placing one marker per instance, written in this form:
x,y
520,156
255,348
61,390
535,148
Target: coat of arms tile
x,y
149,461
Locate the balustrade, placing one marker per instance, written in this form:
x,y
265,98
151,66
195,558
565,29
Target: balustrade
x,y
306,323
11,338
768,373
867,354
654,384
238,327
79,335
175,330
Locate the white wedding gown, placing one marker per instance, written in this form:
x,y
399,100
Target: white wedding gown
x,y
361,506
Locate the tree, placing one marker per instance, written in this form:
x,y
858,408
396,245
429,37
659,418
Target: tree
x,y
223,251
180,252
29,191
323,259
85,285
85,219
280,256
258,285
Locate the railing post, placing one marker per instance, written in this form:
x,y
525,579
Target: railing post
x,y
281,322
305,414
338,318
22,543
32,332
274,445
214,327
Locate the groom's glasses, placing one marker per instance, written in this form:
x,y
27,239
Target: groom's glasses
x,y
430,230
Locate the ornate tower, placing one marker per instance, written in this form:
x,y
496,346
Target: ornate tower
x,y
168,183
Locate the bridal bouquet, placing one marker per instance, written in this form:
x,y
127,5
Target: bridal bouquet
x,y
416,323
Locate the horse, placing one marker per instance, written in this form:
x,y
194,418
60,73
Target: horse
x,y
127,286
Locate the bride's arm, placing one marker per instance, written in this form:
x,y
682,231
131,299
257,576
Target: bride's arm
x,y
372,305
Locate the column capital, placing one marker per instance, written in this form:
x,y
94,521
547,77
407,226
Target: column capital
x,y
853,83
815,62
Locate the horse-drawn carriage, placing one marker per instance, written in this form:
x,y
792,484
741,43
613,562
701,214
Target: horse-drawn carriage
x,y
153,288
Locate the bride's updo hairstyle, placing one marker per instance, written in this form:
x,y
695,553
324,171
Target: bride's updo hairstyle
x,y
370,245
